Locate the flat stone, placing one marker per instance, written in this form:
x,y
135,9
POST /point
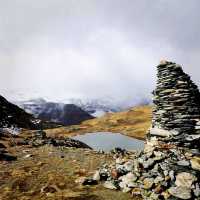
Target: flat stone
x,y
160,132
185,179
183,163
195,162
192,137
180,192
109,185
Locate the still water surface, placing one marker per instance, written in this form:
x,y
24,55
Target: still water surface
x,y
107,141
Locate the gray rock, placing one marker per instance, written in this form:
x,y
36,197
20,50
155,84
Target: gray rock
x,y
171,174
183,163
128,180
129,166
196,190
185,179
180,192
158,179
160,132
150,162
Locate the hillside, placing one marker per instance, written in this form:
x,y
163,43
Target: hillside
x,y
12,115
134,123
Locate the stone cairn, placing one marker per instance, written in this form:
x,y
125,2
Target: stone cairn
x,y
169,165
176,115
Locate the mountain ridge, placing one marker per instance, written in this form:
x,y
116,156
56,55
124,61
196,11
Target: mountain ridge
x,y
65,114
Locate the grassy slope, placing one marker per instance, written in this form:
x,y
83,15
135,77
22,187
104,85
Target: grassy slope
x,y
134,123
51,174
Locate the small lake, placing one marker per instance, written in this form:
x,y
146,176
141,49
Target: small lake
x,y
107,141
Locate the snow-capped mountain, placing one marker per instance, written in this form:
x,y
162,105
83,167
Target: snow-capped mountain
x,y
66,114
96,107
74,110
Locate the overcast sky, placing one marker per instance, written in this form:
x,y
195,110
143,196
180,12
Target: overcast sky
x,y
61,49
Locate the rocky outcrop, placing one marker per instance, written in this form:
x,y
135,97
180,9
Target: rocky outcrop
x,y
66,114
39,138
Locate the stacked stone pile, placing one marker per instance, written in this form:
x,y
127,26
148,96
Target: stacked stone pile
x,y
169,165
177,106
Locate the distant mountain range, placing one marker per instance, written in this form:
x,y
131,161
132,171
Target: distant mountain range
x,y
66,114
40,107
96,107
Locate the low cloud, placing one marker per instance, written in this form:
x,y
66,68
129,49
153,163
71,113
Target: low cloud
x,y
94,49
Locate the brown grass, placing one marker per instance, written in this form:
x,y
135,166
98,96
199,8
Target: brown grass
x,y
134,123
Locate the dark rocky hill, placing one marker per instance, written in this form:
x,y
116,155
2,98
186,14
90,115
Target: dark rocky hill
x,y
12,115
66,114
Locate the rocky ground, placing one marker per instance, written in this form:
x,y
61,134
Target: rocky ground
x,y
49,172
161,171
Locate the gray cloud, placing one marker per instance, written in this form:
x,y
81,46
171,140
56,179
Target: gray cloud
x,y
69,48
